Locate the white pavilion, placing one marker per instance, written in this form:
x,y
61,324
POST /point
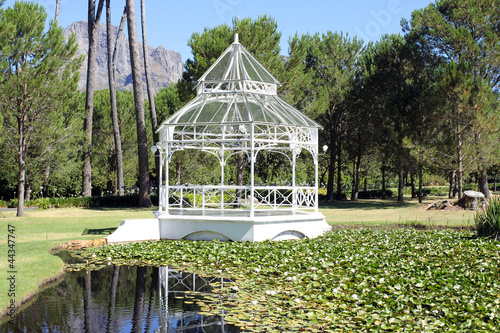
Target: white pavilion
x,y
236,110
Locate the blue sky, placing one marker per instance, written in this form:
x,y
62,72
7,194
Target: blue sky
x,y
171,23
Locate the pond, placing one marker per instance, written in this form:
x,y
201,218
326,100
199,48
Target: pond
x,y
120,299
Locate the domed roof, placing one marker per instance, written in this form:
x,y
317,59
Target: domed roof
x,y
237,89
237,63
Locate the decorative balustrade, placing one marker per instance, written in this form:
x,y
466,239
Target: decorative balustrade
x,y
224,197
237,86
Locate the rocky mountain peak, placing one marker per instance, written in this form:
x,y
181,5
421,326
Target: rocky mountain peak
x,y
166,65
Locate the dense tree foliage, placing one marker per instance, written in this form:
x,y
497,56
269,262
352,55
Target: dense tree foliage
x,y
465,35
37,88
330,62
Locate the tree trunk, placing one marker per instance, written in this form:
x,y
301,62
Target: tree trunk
x,y
353,182
178,166
356,178
420,183
241,162
58,6
149,88
459,160
483,186
453,184
331,176
401,181
112,97
482,167
22,165
384,188
339,169
93,20
144,197
27,196
414,193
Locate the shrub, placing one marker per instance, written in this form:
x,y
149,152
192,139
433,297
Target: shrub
x,y
436,190
129,200
436,180
3,204
324,197
41,203
488,222
470,187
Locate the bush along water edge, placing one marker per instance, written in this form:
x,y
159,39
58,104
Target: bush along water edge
x,y
488,221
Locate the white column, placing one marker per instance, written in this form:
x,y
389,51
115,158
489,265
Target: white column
x,y
167,190
252,172
294,189
316,179
222,163
160,181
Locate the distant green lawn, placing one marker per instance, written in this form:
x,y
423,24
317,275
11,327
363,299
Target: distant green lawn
x,y
41,230
386,212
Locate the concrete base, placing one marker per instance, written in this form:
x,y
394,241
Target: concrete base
x,y
135,230
225,225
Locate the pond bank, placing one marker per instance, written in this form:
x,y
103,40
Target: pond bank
x,y
28,299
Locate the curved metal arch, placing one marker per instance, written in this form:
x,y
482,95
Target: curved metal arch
x,y
203,150
207,235
234,153
171,153
310,150
289,235
275,151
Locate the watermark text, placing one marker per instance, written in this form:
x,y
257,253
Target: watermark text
x,y
381,19
11,272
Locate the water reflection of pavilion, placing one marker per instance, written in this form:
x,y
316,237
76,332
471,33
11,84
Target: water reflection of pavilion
x,y
173,286
119,299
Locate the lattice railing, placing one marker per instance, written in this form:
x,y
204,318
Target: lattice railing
x,y
283,197
207,196
237,86
222,197
306,197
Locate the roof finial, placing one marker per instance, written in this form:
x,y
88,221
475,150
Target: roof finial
x,y
236,37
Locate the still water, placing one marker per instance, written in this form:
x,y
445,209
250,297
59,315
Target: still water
x,y
120,299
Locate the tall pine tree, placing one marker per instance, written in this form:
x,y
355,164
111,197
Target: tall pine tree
x,y
39,78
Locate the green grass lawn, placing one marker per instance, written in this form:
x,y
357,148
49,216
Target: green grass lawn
x,y
41,230
372,212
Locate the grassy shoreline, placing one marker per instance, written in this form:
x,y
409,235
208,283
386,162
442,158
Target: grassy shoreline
x,y
39,231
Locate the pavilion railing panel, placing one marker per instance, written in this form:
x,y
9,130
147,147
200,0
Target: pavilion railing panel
x,y
225,197
207,196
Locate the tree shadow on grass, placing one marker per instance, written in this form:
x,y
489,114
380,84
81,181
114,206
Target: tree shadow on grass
x,y
367,204
103,231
